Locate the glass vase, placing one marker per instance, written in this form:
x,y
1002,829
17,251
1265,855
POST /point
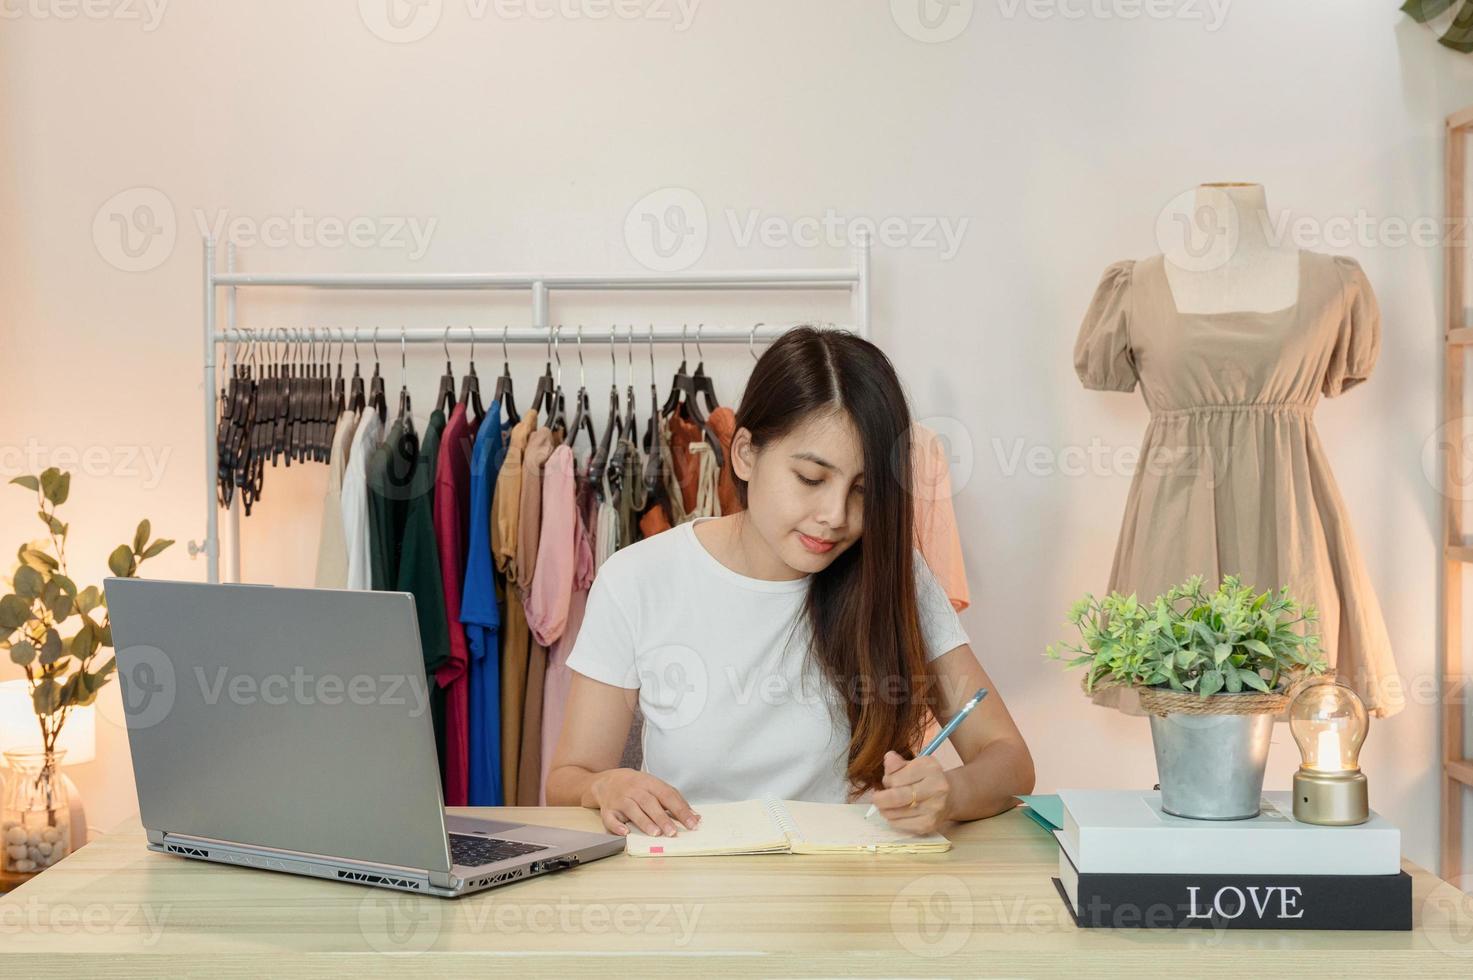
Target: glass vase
x,y
35,818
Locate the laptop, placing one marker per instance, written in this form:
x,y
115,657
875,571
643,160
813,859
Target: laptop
x,y
291,730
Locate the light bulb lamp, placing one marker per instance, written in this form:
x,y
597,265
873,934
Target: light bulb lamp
x,y
1329,723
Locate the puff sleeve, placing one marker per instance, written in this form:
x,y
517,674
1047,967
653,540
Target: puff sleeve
x,y
1102,355
1358,339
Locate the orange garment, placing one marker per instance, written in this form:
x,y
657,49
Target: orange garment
x,y
515,635
935,522
723,423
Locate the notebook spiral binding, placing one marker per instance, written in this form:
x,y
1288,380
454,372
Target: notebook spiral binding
x,y
781,817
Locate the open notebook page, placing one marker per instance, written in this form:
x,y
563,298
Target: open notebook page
x,y
747,827
819,827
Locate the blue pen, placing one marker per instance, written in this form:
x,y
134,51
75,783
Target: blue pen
x,y
941,735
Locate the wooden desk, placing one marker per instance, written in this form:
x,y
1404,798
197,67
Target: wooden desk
x,y
987,907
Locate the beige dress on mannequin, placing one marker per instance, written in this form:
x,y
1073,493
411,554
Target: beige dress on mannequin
x,y
1232,478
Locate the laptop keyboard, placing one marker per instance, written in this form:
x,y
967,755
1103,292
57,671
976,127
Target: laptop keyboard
x,y
471,851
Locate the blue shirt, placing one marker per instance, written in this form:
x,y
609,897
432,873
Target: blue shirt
x,y
481,617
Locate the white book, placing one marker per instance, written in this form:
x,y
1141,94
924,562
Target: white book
x,y
770,826
1126,832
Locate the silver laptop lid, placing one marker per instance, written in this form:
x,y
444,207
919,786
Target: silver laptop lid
x,y
287,718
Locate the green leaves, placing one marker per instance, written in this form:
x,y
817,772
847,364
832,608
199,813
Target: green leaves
x,y
1191,639
44,597
121,562
1459,34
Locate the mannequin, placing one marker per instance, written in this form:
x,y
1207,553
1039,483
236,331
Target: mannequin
x,y
1240,267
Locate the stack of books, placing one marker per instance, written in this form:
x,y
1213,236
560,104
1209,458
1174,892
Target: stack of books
x,y
1124,862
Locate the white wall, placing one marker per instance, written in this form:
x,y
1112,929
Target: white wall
x,y
525,141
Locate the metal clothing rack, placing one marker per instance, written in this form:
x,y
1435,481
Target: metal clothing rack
x,y
854,279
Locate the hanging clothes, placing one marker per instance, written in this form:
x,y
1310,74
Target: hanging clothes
x,y
366,438
559,679
419,575
606,523
723,422
452,501
390,475
540,446
552,580
515,637
936,532
480,615
632,497
332,543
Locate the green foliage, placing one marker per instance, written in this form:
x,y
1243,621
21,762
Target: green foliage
x,y
1459,33
1193,640
43,601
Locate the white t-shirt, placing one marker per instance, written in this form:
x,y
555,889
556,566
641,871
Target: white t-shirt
x,y
730,711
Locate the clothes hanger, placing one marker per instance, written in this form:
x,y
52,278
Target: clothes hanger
x,y
700,385
631,422
470,388
503,383
376,385
600,462
356,398
555,420
445,396
679,385
544,392
224,487
651,475
582,417
704,385
404,414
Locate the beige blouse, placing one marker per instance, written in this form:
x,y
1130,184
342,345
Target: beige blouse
x,y
1232,477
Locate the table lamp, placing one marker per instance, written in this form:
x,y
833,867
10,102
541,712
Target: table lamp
x,y
1329,725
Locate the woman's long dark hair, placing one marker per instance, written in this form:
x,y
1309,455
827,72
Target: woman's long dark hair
x,y
861,609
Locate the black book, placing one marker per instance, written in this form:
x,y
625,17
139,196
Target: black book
x,y
1217,901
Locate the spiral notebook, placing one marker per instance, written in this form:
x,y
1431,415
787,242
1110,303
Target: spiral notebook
x,y
784,827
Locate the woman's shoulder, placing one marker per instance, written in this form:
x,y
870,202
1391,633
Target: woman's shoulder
x,y
649,562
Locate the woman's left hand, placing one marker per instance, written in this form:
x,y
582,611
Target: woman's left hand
x,y
915,795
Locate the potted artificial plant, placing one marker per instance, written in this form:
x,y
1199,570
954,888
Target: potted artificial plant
x,y
1212,669
62,672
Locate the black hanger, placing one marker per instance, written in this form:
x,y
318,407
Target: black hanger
x,y
680,384
376,399
653,483
556,406
702,384
503,383
445,396
582,417
356,397
541,398
470,388
404,414
600,461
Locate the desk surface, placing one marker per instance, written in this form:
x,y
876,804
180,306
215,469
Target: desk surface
x,y
985,907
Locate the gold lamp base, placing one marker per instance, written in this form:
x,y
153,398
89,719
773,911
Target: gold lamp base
x,y
1332,799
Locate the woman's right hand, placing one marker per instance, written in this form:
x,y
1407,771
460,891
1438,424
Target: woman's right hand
x,y
629,796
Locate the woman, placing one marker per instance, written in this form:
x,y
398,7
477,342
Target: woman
x,y
795,649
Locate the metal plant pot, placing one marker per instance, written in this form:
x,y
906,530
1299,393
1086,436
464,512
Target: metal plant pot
x,y
1211,766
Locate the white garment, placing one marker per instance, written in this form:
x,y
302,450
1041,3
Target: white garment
x,y
332,545
729,713
366,437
